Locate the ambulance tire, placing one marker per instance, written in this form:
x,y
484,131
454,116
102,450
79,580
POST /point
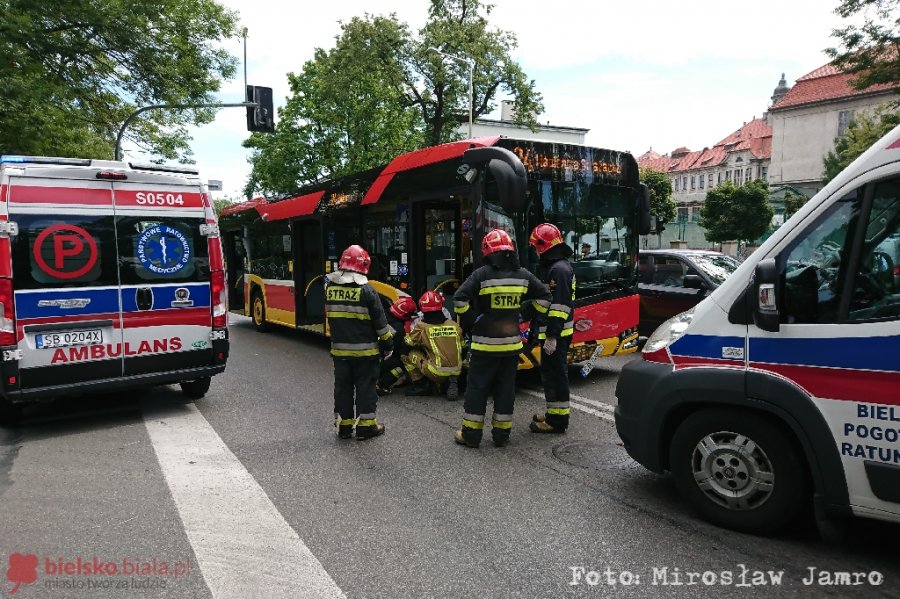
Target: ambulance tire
x,y
10,413
748,456
258,311
196,389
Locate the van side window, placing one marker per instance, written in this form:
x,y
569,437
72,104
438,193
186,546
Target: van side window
x,y
876,285
815,264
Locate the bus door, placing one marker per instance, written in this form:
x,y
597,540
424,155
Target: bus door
x,y
436,242
309,272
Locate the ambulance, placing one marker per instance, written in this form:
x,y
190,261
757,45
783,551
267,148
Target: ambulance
x,y
780,392
111,277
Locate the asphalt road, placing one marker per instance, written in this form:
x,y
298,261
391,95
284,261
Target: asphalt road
x,y
249,493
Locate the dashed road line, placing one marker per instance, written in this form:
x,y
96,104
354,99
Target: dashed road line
x,y
244,546
574,400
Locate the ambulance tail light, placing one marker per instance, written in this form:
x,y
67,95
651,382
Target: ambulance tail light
x,y
219,299
7,313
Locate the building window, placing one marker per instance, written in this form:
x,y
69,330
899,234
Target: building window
x,y
710,180
682,215
749,175
844,118
693,182
684,183
738,176
728,175
765,173
695,214
702,180
720,176
676,184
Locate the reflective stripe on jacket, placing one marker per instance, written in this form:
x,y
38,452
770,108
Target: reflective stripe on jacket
x,y
559,319
356,321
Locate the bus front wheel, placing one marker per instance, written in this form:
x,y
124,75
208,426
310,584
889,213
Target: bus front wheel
x,y
258,312
738,470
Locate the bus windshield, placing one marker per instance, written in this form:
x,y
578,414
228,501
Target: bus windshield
x,y
594,220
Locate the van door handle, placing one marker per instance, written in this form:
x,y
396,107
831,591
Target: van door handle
x,y
143,297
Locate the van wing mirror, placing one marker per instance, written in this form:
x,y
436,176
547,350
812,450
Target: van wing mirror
x,y
506,168
765,313
644,210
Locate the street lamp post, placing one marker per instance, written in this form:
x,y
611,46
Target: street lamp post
x,y
471,64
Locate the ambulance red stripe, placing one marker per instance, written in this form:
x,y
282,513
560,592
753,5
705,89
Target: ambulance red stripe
x,y
175,316
152,198
66,196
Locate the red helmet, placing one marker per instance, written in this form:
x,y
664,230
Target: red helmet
x,y
355,259
404,308
545,236
431,301
496,240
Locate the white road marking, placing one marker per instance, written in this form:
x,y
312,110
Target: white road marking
x,y
244,546
577,406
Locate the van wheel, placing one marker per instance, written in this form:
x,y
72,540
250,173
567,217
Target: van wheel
x,y
196,389
258,312
10,413
738,470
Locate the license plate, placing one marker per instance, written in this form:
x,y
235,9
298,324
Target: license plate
x,y
64,338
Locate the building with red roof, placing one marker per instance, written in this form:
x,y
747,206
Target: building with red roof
x,y
807,119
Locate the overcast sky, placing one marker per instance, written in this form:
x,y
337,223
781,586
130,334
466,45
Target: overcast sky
x,y
637,73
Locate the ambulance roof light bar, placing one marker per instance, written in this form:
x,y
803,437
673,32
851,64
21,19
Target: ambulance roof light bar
x,y
12,159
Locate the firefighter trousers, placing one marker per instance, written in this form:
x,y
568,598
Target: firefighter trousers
x,y
490,375
355,378
391,370
555,378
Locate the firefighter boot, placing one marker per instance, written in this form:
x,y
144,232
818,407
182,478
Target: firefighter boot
x,y
368,432
542,426
501,437
345,427
381,389
470,440
452,389
419,388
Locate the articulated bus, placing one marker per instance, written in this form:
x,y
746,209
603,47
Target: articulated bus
x,y
422,218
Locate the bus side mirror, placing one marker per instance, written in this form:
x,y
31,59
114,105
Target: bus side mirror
x,y
765,313
506,169
644,207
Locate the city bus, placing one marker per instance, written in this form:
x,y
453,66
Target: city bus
x,y
422,217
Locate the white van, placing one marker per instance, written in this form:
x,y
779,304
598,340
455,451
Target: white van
x,y
783,386
111,277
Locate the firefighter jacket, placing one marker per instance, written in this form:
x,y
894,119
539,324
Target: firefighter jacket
x,y
442,344
490,302
356,318
558,321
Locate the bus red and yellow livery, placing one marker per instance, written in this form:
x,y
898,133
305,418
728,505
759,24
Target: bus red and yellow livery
x,y
422,217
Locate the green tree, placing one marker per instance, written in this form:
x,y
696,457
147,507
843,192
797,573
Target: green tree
x,y
73,70
870,49
381,91
736,213
864,130
662,206
793,202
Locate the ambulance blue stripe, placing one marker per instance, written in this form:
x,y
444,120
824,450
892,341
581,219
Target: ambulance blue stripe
x,y
102,301
106,299
704,346
856,353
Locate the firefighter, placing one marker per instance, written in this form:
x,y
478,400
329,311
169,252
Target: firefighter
x,y
490,303
555,328
436,354
400,318
360,336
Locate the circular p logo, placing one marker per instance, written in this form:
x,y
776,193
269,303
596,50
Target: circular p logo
x,y
65,251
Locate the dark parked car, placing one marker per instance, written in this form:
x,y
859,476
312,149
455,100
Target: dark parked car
x,y
672,281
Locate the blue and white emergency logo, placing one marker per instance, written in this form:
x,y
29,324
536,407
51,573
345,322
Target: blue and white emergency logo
x,y
163,250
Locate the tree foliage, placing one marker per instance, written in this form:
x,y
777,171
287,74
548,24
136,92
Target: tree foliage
x,y
73,70
662,206
381,91
793,202
736,213
863,130
870,50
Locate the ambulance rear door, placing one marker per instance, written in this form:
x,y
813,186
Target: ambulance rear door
x,y
65,277
165,273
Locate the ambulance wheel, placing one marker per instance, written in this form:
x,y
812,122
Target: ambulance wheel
x,y
258,312
10,413
738,470
196,389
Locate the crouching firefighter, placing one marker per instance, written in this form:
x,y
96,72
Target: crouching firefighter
x,y
554,328
400,317
436,355
490,303
360,336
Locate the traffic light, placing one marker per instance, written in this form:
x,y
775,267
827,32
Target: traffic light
x,y
262,117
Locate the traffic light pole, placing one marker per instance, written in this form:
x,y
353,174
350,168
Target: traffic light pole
x,y
133,115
